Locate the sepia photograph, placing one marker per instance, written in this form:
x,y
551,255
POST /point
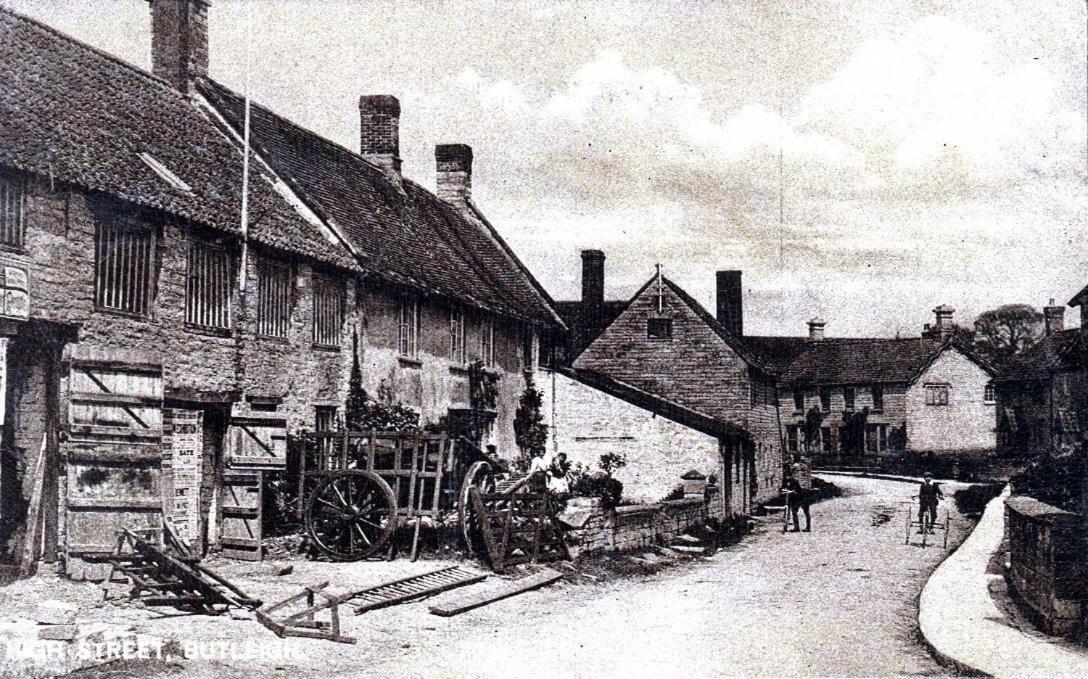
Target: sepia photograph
x,y
509,339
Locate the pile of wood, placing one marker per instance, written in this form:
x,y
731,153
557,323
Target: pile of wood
x,y
169,575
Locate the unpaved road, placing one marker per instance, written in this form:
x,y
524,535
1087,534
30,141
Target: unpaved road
x,y
838,601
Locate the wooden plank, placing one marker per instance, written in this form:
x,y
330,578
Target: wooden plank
x,y
32,539
498,591
127,456
121,503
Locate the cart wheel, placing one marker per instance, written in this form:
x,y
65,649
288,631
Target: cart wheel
x,y
351,514
480,476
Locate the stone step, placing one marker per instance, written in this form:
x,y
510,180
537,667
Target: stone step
x,y
688,549
686,539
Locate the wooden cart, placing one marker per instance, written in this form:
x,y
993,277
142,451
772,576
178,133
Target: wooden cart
x,y
357,487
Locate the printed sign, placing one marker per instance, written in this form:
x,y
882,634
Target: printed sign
x,y
187,448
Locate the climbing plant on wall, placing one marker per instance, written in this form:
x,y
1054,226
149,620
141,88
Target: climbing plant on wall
x,y
363,413
530,432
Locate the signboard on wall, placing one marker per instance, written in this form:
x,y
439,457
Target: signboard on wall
x,y
187,446
14,293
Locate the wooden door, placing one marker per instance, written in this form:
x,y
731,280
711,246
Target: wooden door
x,y
255,442
240,529
111,452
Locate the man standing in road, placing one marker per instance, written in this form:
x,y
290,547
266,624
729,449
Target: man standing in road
x,y
929,494
802,496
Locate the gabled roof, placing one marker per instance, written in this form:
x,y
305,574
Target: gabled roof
x,y
402,233
656,404
845,361
1065,350
1081,299
732,341
76,115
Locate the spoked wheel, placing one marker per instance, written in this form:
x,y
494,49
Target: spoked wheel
x,y
482,477
351,514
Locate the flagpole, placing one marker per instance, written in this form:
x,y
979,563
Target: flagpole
x,y
245,162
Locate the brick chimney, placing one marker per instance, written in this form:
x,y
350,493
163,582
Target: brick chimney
x,y
944,327
379,132
179,41
592,278
454,163
816,329
1053,318
730,302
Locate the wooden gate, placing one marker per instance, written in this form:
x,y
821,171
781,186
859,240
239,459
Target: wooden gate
x,y
111,450
240,530
255,442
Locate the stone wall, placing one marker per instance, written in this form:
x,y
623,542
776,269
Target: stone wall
x,y
585,423
632,527
1048,563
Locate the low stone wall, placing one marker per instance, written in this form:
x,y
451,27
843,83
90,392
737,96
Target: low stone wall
x,y
1048,563
594,529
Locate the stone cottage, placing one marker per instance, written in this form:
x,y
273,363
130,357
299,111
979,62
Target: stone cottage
x,y
159,344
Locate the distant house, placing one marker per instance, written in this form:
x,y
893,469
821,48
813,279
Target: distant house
x,y
873,396
665,344
1042,394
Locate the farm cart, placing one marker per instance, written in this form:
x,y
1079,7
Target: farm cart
x,y
357,487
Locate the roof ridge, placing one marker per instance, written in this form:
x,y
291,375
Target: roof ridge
x,y
57,33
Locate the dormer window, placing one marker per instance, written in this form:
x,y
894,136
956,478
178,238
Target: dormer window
x,y
659,329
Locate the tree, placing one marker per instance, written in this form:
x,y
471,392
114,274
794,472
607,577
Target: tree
x,y
1008,329
814,419
530,432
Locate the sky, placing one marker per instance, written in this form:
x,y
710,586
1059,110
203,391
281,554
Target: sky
x,y
859,160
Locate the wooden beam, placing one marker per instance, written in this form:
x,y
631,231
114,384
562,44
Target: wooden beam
x,y
497,591
32,537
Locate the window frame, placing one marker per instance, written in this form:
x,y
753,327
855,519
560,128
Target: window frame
x,y
849,402
408,327
273,273
487,341
457,354
665,327
877,393
989,394
325,415
793,436
331,287
117,226
200,277
825,399
798,400
13,193
938,394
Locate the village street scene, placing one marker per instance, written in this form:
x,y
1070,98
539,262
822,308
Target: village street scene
x,y
589,339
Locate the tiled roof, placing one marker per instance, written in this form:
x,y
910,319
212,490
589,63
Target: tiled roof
x,y
403,234
776,353
1066,350
864,361
586,322
77,115
1081,299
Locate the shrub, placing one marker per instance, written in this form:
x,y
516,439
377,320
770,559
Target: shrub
x,y
1057,479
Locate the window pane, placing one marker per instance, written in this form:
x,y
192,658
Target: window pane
x,y
124,265
12,211
208,294
328,311
659,328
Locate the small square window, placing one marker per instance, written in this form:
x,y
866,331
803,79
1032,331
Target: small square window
x,y
659,329
936,394
989,395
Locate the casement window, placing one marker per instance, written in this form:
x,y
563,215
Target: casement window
x,y
876,438
408,329
12,213
878,398
989,395
209,286
274,298
324,419
825,439
799,400
328,311
936,394
848,394
487,342
659,328
825,399
793,433
124,265
457,335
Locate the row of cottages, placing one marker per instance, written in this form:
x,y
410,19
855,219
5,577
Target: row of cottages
x,y
156,354
1042,394
852,398
694,396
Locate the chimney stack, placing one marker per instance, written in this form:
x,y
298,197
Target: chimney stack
x,y
379,132
1054,318
944,326
816,329
179,41
592,278
454,164
730,302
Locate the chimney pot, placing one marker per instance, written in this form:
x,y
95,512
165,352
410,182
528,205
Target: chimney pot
x,y
816,329
379,132
592,278
1053,318
179,41
730,302
454,166
944,326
